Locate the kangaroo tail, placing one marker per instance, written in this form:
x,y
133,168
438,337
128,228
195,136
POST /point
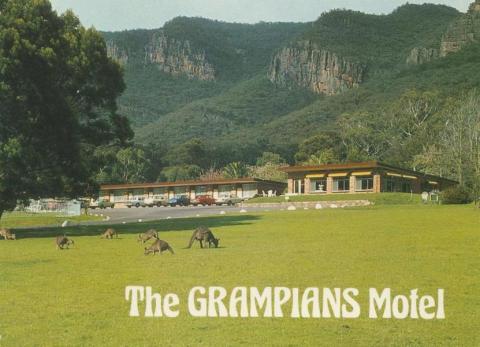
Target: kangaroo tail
x,y
171,250
192,239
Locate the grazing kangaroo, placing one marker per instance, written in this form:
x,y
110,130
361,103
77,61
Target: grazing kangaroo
x,y
7,234
63,241
203,234
152,233
109,233
158,247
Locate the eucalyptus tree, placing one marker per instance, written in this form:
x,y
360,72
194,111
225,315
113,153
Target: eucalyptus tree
x,y
58,91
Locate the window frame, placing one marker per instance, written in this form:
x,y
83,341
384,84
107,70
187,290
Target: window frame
x,y
361,179
346,184
313,183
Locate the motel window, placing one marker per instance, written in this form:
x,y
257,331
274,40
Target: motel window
x,y
394,184
406,187
200,190
225,191
318,185
249,190
138,193
388,184
364,183
341,184
120,196
159,191
179,191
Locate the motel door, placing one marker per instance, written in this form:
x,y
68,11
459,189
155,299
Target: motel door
x,y
299,187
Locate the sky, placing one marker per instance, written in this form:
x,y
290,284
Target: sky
x,y
114,15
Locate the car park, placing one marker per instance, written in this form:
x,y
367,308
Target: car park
x,y
180,200
204,200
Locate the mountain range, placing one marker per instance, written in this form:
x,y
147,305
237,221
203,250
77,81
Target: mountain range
x,y
245,89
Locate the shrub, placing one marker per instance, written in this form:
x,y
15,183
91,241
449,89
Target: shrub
x,y
456,195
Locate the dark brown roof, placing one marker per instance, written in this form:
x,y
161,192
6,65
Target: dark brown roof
x,y
326,167
245,180
360,166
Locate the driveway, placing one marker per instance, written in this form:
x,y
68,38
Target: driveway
x,y
127,215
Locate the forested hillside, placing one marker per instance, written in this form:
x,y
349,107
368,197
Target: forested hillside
x,y
349,86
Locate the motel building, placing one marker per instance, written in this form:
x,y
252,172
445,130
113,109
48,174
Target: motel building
x,y
244,188
365,177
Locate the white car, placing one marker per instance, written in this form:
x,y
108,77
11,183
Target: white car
x,y
136,202
156,200
228,200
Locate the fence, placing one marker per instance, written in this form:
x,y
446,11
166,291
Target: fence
x,y
60,207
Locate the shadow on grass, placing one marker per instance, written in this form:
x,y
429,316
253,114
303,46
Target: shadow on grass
x,y
136,228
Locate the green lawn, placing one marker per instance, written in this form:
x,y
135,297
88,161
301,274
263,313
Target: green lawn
x,y
377,198
24,219
76,297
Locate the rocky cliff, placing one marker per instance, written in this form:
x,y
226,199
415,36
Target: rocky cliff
x,y
420,55
178,58
463,31
309,66
118,54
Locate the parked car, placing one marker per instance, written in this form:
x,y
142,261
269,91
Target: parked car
x,y
106,204
93,204
102,204
181,200
156,200
136,202
228,200
205,200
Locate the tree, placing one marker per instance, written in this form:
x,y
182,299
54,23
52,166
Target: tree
x,y
192,152
211,174
364,136
322,148
58,91
270,158
180,173
325,156
235,170
268,167
456,153
131,165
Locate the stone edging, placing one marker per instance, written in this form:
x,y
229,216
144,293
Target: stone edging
x,y
312,204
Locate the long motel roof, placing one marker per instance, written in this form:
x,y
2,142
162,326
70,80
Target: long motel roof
x,y
246,180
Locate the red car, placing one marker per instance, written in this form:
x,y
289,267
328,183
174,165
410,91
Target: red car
x,y
204,200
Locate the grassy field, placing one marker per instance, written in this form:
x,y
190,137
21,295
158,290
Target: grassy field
x,y
76,297
23,219
377,198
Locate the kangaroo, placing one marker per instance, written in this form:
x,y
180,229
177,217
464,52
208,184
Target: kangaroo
x,y
63,241
109,233
203,234
152,233
7,234
158,247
